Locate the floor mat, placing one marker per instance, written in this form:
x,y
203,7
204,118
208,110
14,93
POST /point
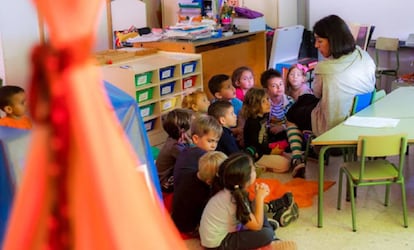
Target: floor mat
x,y
303,190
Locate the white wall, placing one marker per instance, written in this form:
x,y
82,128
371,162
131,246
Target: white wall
x,y
19,31
276,12
391,18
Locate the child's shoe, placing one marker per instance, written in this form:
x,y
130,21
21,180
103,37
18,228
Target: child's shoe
x,y
298,167
285,209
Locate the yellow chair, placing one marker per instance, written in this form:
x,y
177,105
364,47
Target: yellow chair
x,y
364,172
384,46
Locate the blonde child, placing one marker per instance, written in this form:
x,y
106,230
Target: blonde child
x,y
13,104
296,81
205,134
193,192
230,220
243,80
196,101
176,124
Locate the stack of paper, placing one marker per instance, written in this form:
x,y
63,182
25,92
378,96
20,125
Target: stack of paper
x,y
371,122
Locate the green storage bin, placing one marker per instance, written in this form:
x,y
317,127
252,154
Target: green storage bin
x,y
142,79
144,95
147,110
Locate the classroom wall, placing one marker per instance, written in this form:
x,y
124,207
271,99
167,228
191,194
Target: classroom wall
x,y
19,32
391,18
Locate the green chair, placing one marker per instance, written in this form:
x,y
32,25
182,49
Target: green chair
x,y
360,102
384,47
379,94
364,172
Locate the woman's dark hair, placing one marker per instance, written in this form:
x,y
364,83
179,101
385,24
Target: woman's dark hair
x,y
341,41
252,104
176,122
233,175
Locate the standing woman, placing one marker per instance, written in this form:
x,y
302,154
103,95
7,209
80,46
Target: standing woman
x,y
346,71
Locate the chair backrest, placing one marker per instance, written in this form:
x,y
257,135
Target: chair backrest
x,y
362,101
379,94
379,146
387,44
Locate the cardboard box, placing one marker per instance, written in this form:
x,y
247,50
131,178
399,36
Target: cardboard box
x,y
250,25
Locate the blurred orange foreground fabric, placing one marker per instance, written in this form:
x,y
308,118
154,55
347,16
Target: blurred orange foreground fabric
x,y
83,187
303,191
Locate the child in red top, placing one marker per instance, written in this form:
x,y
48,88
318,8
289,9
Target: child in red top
x,y
13,104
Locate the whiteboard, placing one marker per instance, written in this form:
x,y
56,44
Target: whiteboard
x,y
286,44
391,18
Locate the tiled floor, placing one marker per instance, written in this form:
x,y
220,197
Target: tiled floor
x,y
378,227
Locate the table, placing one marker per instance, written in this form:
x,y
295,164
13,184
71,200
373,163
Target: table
x,y
221,55
394,105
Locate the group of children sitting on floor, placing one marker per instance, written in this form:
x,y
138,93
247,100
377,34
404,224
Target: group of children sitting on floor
x,y
213,150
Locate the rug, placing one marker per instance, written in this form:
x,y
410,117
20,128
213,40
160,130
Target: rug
x,y
303,190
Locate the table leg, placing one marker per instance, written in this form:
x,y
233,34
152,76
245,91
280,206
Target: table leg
x,y
320,185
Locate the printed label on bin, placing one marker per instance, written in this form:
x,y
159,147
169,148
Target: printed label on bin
x,y
142,79
188,83
167,105
166,74
147,126
188,68
145,111
166,90
143,97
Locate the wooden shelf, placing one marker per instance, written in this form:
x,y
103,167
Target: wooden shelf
x,y
158,82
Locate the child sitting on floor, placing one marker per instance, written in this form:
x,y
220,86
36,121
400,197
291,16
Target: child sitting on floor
x,y
176,124
13,104
205,134
255,111
243,80
221,88
230,220
193,192
223,111
279,128
196,101
296,81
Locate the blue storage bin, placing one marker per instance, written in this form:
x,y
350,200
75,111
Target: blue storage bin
x,y
189,67
167,88
167,72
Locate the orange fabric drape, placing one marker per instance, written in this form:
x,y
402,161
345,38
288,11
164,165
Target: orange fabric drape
x,y
82,182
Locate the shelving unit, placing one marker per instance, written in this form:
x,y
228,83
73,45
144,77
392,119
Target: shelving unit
x,y
158,82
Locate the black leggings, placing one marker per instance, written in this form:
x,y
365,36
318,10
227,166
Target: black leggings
x,y
300,112
247,239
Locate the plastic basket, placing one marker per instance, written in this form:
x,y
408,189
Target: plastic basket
x,y
147,110
168,104
189,82
144,95
142,79
167,72
167,88
149,125
188,68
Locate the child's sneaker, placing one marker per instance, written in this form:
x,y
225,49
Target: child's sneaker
x,y
298,168
273,223
284,209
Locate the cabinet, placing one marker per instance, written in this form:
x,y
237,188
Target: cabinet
x,y
221,55
158,82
